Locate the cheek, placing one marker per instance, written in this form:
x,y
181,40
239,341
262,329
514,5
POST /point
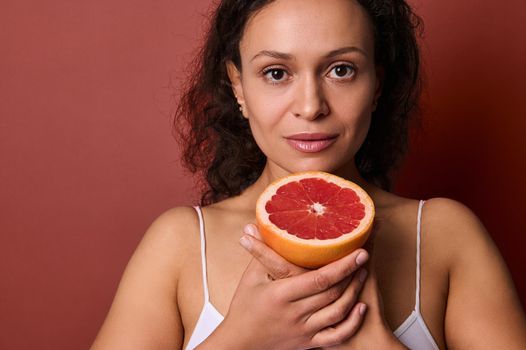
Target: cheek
x,y
265,110
362,122
363,128
354,105
353,108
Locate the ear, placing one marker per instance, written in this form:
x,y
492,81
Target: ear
x,y
380,76
235,80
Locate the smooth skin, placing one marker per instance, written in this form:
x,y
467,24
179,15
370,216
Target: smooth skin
x,y
308,66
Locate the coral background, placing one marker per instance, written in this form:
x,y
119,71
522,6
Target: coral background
x,y
87,159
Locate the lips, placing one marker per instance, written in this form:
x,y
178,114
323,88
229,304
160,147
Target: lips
x,y
311,142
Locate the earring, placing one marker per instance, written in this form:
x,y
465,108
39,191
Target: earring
x,y
241,108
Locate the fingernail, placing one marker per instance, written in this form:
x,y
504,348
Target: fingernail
x,y
245,242
250,230
362,258
363,308
363,275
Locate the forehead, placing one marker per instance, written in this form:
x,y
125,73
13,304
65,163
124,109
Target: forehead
x,y
303,26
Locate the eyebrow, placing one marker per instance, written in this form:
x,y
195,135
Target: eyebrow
x,y
274,54
345,50
286,56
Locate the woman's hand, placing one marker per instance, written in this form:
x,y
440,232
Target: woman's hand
x,y
278,305
374,332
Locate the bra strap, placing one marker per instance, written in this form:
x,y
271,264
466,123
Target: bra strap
x,y
203,251
418,233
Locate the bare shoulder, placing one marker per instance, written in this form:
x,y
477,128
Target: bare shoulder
x,y
144,313
172,220
451,231
168,240
449,211
456,229
483,309
170,231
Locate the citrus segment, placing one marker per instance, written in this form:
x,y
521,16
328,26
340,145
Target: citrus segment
x,y
313,218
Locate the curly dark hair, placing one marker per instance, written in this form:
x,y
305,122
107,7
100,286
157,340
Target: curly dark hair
x,y
217,142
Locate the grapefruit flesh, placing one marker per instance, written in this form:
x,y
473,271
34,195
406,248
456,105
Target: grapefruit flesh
x,y
314,218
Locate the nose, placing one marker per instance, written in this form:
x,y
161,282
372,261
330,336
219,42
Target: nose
x,y
309,100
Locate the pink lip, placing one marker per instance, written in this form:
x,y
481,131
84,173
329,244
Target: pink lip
x,y
305,136
311,142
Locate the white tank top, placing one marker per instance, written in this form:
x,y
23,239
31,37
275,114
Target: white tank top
x,y
413,332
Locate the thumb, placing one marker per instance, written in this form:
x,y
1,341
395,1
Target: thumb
x,y
252,230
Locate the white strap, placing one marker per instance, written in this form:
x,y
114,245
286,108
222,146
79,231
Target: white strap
x,y
418,229
203,251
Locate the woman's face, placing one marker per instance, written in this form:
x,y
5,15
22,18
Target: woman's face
x,y
308,83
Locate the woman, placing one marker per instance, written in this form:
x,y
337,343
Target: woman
x,y
291,85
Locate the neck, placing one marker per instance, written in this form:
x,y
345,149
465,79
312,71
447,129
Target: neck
x,y
271,173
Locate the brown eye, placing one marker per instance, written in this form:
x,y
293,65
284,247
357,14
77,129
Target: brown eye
x,y
275,74
342,71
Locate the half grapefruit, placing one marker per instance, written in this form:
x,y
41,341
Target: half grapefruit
x,y
314,218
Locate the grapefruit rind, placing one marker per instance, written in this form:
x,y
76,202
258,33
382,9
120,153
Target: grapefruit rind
x,y
313,253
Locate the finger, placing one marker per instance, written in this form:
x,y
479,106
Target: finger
x,y
343,331
340,308
316,281
251,229
310,305
276,266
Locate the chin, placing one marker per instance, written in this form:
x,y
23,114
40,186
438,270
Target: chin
x,y
316,165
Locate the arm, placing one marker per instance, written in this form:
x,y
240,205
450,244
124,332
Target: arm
x,y
483,310
144,313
